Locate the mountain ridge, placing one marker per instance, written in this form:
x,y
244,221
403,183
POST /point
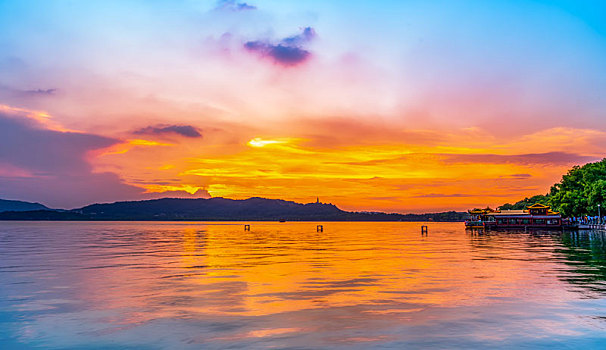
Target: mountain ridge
x,y
16,205
221,209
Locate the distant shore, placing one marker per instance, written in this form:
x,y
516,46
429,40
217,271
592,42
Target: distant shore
x,y
50,215
221,209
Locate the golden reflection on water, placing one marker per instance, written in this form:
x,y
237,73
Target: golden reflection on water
x,y
285,284
277,268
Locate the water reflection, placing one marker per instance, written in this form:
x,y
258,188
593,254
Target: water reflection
x,y
585,253
364,285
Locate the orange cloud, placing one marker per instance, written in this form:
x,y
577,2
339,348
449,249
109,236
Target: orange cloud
x,y
357,166
42,118
420,172
130,144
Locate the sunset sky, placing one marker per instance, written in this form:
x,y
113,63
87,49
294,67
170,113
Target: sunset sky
x,y
399,106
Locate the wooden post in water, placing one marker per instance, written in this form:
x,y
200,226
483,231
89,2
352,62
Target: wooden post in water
x,y
424,230
320,228
246,227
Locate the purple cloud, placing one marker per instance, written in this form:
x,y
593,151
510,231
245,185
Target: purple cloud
x,y
232,5
183,130
285,55
41,92
26,144
288,51
308,34
8,91
51,166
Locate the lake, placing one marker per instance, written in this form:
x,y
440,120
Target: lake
x,y
190,285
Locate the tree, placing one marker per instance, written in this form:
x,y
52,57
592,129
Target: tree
x,y
580,190
597,194
543,199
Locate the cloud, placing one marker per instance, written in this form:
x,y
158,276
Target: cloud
x,y
51,166
232,5
331,131
516,176
201,193
307,35
551,158
183,130
288,51
25,143
444,195
41,91
20,93
386,198
68,190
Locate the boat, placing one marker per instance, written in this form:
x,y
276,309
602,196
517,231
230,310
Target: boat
x,y
477,218
535,216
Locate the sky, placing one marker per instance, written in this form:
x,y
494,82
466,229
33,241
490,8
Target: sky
x,y
398,106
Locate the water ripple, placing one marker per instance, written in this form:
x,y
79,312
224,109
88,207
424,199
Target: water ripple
x,y
284,285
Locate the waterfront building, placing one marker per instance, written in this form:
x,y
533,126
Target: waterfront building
x,y
534,216
477,217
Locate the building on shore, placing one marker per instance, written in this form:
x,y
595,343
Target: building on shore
x,y
477,217
534,216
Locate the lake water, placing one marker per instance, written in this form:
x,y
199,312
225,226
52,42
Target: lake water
x,y
161,285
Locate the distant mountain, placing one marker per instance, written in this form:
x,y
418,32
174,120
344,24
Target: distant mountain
x,y
9,205
222,209
212,209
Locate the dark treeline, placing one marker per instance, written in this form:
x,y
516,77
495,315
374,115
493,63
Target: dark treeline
x,y
579,192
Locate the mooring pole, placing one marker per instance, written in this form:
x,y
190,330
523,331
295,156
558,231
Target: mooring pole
x,y
320,228
246,227
424,230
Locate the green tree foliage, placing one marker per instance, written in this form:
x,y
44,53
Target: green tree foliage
x,y
526,202
577,194
580,190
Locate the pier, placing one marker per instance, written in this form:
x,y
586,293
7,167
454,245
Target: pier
x,y
591,227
